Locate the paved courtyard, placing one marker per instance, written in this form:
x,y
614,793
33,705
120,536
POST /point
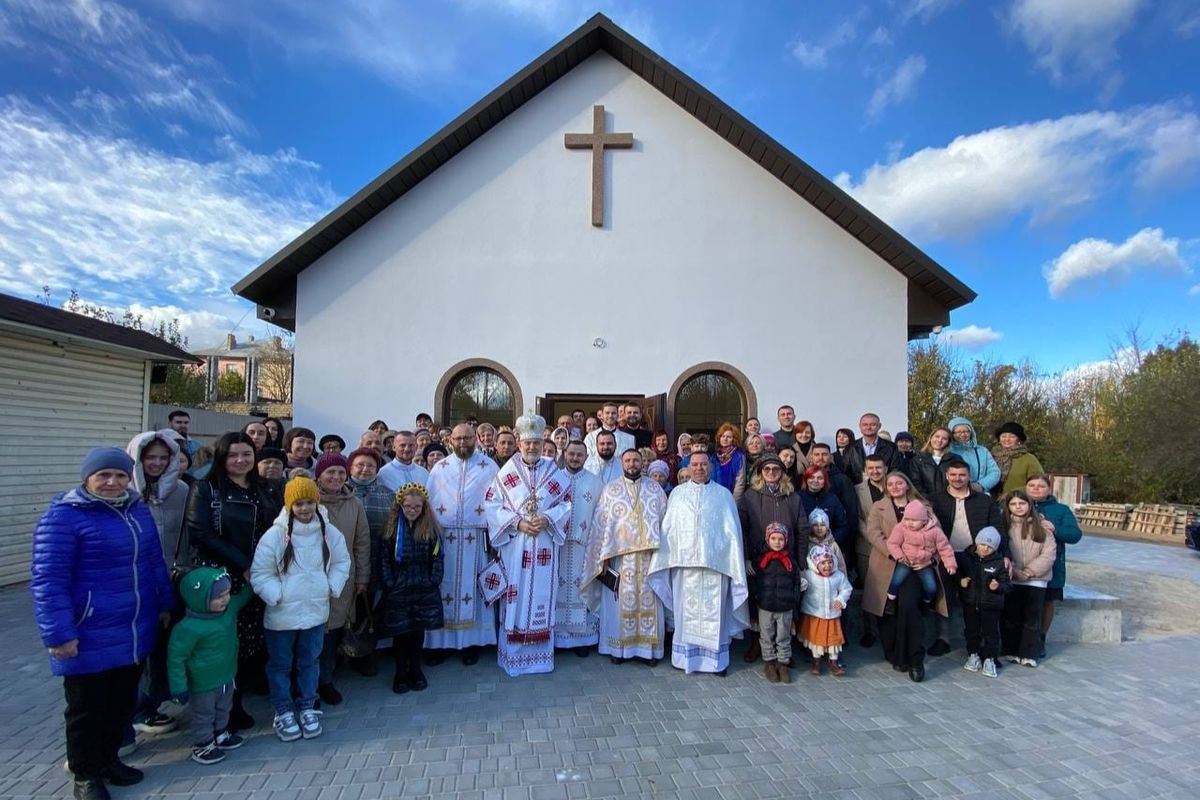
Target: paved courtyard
x,y
1095,721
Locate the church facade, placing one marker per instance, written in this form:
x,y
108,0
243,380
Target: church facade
x,y
601,226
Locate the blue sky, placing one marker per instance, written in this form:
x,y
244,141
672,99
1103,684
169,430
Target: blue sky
x,y
1045,151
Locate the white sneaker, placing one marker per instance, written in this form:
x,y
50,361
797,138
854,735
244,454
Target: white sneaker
x,y
310,723
286,727
1014,659
973,663
1029,662
989,669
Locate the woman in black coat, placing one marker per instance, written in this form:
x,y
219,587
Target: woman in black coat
x,y
815,493
227,512
410,574
928,467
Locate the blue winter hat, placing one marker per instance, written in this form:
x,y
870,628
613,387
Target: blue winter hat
x,y
99,458
989,536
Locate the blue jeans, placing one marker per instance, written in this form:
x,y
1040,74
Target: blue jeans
x,y
925,576
288,648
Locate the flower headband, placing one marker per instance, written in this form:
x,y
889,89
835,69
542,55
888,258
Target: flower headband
x,y
410,487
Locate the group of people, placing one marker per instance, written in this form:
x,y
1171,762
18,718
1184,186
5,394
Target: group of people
x,y
290,557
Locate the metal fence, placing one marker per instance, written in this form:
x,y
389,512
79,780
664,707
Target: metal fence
x,y
206,425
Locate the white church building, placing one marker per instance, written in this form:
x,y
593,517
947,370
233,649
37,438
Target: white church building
x,y
601,226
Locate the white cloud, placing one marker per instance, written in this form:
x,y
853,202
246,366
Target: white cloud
x,y
1091,259
1072,36
406,44
925,10
125,223
900,86
1123,361
1046,169
971,337
880,37
1194,291
78,38
815,54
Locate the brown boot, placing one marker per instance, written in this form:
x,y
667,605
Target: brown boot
x,y
771,672
781,671
753,651
815,667
835,668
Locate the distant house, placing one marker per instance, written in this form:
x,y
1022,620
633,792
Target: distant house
x,y
265,366
67,383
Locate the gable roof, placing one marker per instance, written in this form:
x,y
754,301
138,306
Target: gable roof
x,y
19,314
273,284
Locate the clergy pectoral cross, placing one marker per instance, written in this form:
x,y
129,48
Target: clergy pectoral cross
x,y
598,141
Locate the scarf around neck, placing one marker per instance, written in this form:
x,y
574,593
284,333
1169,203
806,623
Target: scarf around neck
x,y
776,555
1005,456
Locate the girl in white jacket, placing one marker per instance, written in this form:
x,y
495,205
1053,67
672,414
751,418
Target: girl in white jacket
x,y
821,610
299,564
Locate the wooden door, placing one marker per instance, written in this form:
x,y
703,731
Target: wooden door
x,y
654,412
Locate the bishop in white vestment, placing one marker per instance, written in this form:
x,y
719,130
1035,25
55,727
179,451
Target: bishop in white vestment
x,y
574,625
457,487
528,507
624,537
699,571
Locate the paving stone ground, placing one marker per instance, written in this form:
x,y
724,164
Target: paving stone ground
x,y
1094,721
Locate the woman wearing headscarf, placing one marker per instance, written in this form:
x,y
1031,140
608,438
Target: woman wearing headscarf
x,y
683,449
1017,465
661,444
101,595
985,474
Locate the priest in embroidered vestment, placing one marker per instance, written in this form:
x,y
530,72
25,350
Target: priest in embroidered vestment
x,y
699,571
625,534
457,486
528,507
574,625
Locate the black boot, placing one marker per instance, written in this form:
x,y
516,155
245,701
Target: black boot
x,y
119,774
239,720
91,790
403,666
470,656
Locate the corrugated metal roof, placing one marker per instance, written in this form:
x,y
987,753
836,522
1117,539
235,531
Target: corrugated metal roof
x,y
66,323
274,282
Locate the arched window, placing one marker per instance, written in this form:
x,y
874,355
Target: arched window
x,y
482,393
707,400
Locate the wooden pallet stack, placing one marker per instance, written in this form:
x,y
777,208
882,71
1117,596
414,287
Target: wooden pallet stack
x,y
1112,516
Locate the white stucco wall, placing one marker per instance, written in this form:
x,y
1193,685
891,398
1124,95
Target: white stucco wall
x,y
705,256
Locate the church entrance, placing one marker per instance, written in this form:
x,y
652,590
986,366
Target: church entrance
x,y
553,406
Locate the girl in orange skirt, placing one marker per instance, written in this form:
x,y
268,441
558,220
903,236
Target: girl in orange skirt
x,y
821,610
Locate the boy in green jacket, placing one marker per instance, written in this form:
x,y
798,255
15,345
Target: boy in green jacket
x,y
202,659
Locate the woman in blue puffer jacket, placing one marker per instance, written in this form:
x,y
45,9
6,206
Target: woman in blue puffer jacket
x,y
100,593
985,472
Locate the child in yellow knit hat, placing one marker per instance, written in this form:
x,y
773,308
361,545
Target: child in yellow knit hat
x,y
299,564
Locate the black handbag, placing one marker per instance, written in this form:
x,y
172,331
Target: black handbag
x,y
358,637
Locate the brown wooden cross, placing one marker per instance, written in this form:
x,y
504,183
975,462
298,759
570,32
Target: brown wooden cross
x,y
598,141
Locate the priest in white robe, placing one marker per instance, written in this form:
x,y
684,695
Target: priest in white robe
x,y
609,418
457,487
604,463
699,571
528,507
625,535
575,626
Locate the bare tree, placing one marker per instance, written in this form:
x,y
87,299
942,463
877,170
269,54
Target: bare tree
x,y
275,371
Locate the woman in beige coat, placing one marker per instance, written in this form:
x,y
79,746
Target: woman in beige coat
x,y
902,634
348,515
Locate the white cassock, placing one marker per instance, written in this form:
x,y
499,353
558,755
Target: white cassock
x,y
456,495
574,625
699,572
624,536
526,642
394,474
625,441
606,471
